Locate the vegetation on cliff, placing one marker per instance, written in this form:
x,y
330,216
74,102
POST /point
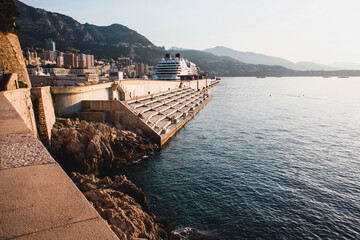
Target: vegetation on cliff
x,y
88,147
8,12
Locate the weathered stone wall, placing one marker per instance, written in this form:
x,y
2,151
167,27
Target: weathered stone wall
x,y
21,101
9,82
11,57
45,113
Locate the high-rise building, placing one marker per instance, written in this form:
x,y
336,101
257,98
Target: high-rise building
x,y
76,61
89,60
141,69
82,60
49,45
69,60
50,55
124,62
60,60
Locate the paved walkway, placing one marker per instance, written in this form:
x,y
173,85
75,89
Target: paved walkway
x,y
37,199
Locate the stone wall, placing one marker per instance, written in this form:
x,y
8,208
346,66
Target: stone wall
x,y
9,82
11,57
45,113
21,101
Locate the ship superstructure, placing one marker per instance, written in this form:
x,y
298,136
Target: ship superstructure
x,y
175,68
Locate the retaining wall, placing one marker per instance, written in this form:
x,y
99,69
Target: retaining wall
x,y
68,98
46,114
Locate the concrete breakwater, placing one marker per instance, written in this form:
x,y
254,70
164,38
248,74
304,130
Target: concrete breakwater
x,y
159,115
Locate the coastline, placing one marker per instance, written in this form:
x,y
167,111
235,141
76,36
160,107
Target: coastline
x,y
118,201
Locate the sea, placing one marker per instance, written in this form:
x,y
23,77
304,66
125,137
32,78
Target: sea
x,y
267,158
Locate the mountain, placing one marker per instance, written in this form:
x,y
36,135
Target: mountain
x,y
178,49
346,65
227,66
117,40
256,58
102,41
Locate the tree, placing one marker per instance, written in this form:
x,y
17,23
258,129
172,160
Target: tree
x,y
8,12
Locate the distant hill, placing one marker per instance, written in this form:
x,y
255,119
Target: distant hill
x,y
346,65
117,40
102,41
227,66
178,49
256,58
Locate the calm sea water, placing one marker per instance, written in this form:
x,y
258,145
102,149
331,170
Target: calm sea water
x,y
273,158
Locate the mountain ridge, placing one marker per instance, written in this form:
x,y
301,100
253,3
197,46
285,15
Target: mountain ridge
x,y
259,58
110,41
116,40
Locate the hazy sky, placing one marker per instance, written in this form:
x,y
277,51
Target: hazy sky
x,y
323,31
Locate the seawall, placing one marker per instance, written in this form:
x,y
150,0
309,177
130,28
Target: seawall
x,y
68,98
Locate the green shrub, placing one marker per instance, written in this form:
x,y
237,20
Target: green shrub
x,y
22,84
58,125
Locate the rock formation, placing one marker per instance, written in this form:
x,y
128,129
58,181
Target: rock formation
x,y
95,147
123,206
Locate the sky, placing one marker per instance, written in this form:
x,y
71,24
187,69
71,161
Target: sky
x,y
322,31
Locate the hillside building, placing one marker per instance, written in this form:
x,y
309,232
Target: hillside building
x,y
49,45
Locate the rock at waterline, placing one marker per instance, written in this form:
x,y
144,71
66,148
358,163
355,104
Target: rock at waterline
x,y
88,147
191,234
123,206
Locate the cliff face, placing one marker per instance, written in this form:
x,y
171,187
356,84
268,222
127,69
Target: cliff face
x,y
123,206
95,147
11,57
39,24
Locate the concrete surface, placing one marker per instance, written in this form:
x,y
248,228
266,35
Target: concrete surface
x,y
37,199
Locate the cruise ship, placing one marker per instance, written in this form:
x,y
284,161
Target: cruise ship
x,y
170,68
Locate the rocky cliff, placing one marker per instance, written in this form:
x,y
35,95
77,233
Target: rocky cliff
x,y
95,147
123,206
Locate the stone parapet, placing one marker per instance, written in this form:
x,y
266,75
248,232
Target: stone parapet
x,y
37,199
21,101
